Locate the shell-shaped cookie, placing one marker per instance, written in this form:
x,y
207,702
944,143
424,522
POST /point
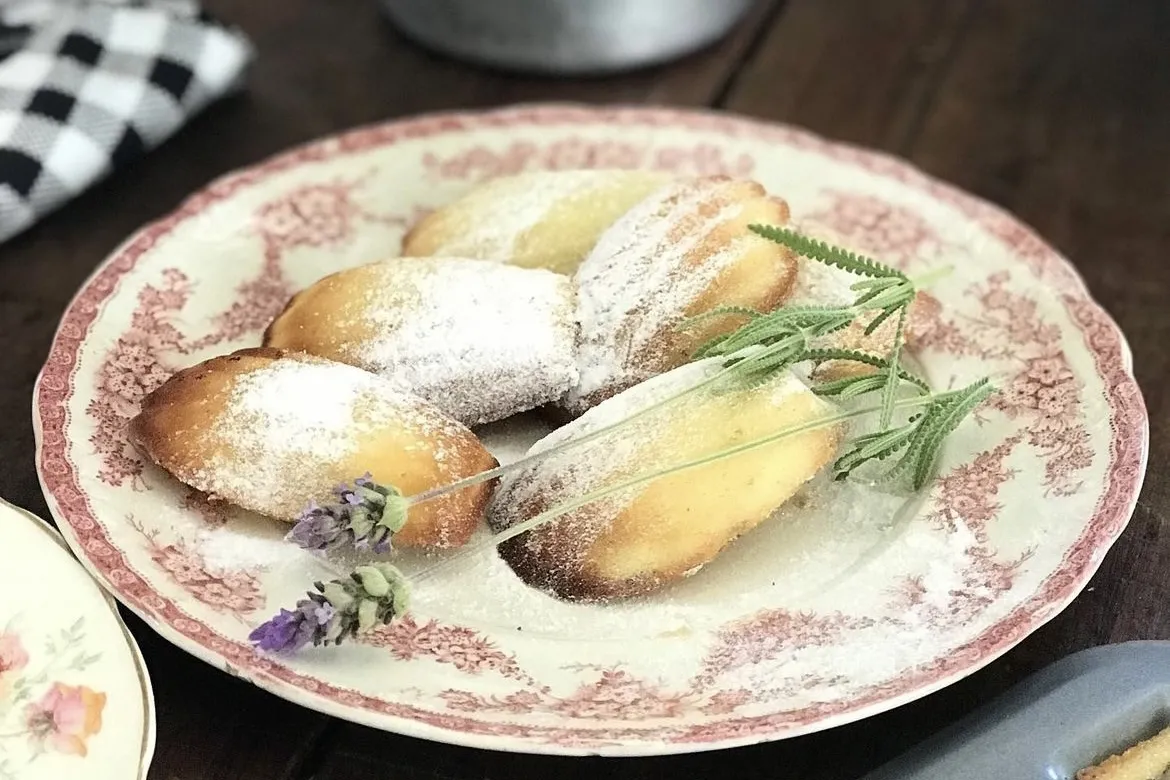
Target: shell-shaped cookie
x,y
541,219
682,251
271,431
480,340
644,536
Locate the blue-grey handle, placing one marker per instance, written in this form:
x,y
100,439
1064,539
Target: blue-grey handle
x,y
1062,719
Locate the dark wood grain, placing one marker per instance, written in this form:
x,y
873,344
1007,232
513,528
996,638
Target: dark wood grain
x,y
1057,111
1074,136
212,725
856,71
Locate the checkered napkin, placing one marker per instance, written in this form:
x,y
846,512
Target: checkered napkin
x,y
87,85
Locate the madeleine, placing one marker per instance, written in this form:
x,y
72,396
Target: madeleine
x,y
271,431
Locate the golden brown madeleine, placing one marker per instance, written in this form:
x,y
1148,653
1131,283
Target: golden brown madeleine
x,y
270,431
541,219
644,537
480,340
682,251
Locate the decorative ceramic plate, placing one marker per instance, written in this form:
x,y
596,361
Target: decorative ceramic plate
x,y
806,623
75,699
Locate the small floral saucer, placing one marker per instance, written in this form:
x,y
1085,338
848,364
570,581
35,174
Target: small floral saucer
x,y
808,622
75,698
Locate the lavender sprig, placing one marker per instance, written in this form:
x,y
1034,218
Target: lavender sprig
x,y
365,516
372,595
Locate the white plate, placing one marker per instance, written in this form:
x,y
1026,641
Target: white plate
x,y
75,698
804,624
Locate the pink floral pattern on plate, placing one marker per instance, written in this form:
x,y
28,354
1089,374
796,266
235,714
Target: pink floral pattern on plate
x,y
873,225
236,591
1040,386
482,162
464,649
767,665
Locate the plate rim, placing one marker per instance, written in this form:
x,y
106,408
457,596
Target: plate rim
x,y
1123,395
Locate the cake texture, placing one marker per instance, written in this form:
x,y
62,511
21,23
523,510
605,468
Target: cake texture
x,y
272,431
1147,760
480,340
539,219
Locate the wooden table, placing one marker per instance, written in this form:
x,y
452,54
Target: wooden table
x,y
1059,111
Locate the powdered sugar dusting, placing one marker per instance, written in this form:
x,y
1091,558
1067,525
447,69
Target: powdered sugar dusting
x,y
246,544
818,284
640,279
480,340
288,425
297,402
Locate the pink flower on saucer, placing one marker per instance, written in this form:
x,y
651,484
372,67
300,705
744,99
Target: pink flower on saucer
x,y
66,717
13,658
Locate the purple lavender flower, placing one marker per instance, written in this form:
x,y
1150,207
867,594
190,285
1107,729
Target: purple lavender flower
x,y
365,516
292,630
372,595
317,528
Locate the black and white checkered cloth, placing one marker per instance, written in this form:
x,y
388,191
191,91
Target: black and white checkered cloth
x,y
87,85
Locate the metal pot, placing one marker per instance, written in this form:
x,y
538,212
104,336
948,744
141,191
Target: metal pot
x,y
566,36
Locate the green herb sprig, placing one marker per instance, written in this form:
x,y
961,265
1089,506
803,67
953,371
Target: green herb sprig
x,y
776,341
884,290
781,339
920,440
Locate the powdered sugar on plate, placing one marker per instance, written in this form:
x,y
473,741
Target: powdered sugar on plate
x,y
250,542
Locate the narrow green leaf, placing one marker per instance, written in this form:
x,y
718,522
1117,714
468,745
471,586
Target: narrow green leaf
x,y
721,311
873,446
821,355
833,388
889,394
896,296
829,255
942,424
877,321
863,385
709,348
